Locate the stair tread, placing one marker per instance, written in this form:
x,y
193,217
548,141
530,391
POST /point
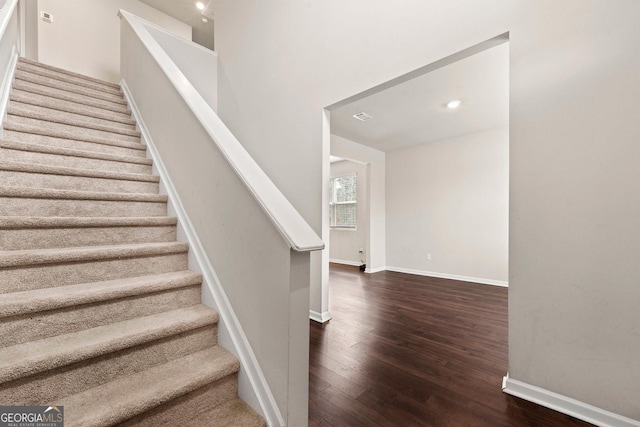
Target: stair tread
x,y
21,66
21,96
70,96
19,303
77,172
46,193
87,253
50,149
233,413
25,112
61,350
16,222
67,72
65,96
18,127
108,405
47,81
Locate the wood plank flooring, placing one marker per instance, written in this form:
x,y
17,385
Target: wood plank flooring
x,y
404,350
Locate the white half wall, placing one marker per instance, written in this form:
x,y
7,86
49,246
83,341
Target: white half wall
x,y
450,199
84,36
345,243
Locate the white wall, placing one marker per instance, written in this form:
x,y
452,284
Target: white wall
x,y
574,227
85,35
450,198
345,243
375,245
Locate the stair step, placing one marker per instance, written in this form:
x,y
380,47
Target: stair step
x,y
46,127
18,174
24,201
91,357
31,113
21,233
44,72
73,140
32,269
41,80
51,68
199,408
59,156
53,311
66,107
106,405
69,97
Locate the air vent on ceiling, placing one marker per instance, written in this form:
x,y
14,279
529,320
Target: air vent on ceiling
x,y
362,116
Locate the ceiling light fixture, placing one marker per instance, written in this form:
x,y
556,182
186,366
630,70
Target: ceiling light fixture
x,y
454,104
200,5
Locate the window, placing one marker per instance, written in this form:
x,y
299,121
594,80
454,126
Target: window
x,y
343,206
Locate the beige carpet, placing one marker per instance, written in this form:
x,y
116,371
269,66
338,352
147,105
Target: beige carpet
x,y
98,310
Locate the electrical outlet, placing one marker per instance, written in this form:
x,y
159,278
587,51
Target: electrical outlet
x,y
428,256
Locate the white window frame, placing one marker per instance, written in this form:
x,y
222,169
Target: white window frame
x,y
333,203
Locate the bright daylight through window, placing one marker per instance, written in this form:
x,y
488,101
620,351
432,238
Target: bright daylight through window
x,y
343,202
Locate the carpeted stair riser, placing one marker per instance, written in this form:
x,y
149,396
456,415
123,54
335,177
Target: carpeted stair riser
x,y
129,149
64,78
28,206
34,326
103,406
70,88
40,300
67,73
53,127
23,152
75,98
41,99
53,385
12,239
187,409
43,276
53,116
75,111
80,183
43,72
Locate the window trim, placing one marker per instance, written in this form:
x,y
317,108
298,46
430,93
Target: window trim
x,y
332,203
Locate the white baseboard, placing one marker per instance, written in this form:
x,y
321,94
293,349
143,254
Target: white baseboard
x,y
450,276
345,262
319,317
566,405
375,270
252,384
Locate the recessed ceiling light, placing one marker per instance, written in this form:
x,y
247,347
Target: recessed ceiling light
x,y
362,116
454,104
200,5
205,20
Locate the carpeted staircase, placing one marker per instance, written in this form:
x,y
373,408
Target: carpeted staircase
x,y
98,311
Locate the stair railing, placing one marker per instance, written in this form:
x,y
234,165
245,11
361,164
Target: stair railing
x,y
250,243
9,40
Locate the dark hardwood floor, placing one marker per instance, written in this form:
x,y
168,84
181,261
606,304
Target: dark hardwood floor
x,y
404,350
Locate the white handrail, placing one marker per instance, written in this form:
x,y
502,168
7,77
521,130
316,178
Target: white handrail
x,y
5,12
294,229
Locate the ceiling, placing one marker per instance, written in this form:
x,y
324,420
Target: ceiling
x,y
186,11
414,112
